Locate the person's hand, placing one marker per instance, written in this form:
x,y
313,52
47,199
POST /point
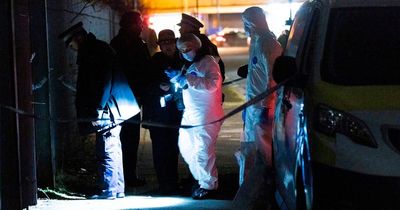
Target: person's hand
x,y
196,73
182,82
171,73
101,116
96,123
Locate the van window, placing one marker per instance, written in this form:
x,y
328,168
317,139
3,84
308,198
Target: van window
x,y
362,47
296,35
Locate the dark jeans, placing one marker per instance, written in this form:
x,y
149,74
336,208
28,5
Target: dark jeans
x,y
130,137
165,156
108,151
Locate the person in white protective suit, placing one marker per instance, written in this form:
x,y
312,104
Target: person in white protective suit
x,y
255,156
201,81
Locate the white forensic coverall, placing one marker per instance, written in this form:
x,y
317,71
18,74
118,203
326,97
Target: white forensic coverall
x,y
256,150
203,104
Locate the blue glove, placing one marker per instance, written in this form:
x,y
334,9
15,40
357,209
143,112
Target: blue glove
x,y
182,82
171,73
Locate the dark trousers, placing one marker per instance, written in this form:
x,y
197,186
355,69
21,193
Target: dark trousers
x,y
109,155
165,156
130,137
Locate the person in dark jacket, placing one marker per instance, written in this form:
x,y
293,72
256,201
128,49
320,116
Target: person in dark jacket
x,y
161,107
133,58
190,24
95,113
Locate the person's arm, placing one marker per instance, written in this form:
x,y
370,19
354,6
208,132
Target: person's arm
x,y
205,75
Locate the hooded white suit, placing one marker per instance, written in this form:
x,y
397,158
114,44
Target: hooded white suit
x,y
256,150
264,49
203,104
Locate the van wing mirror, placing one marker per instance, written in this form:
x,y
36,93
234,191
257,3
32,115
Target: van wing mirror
x,y
284,68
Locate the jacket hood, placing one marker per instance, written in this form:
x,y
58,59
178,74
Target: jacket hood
x,y
254,20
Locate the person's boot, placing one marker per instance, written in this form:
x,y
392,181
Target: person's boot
x,y
201,194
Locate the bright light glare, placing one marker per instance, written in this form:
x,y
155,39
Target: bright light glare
x,y
220,39
166,21
129,202
278,13
151,202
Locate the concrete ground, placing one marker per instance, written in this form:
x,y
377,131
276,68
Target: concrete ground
x,y
228,143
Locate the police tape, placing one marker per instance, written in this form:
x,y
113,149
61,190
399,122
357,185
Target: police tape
x,y
248,103
152,123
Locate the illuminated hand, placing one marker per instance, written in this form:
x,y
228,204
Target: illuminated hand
x,y
171,73
100,116
182,82
96,123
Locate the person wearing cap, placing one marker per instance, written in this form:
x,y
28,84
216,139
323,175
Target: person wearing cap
x,y
132,56
201,81
256,148
190,24
160,106
94,89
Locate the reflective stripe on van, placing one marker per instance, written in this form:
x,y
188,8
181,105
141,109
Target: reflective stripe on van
x,y
350,98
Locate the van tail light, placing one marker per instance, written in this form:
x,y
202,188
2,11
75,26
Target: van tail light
x,y
331,121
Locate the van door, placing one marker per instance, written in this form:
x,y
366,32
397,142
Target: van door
x,y
291,151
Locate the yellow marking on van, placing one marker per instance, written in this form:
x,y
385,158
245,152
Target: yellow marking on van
x,y
349,98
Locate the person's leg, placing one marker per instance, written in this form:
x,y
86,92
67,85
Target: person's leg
x,y
110,163
251,132
130,137
165,159
186,146
257,190
173,157
205,161
245,157
258,187
117,157
101,167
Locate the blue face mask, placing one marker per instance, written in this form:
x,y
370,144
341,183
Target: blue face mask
x,y
189,56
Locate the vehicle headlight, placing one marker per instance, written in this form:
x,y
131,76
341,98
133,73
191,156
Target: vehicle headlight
x,y
331,121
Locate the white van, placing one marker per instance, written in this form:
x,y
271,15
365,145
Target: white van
x,y
337,122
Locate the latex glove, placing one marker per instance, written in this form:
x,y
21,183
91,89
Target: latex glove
x,y
102,118
171,73
182,82
196,73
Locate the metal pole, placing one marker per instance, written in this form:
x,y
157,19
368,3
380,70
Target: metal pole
x,y
24,99
289,21
42,95
10,170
